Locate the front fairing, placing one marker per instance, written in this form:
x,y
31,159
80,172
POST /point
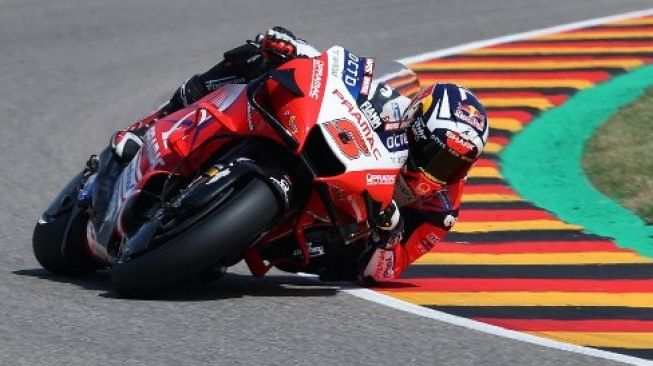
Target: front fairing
x,y
316,104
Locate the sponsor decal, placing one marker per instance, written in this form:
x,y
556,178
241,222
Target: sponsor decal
x,y
427,243
423,189
396,141
424,246
335,67
396,111
152,150
432,238
352,73
365,85
369,66
381,179
399,159
352,67
385,91
346,135
458,143
471,115
368,71
292,126
384,264
418,129
316,81
372,115
394,126
363,124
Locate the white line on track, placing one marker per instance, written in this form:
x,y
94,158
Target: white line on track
x,y
472,324
521,36
392,302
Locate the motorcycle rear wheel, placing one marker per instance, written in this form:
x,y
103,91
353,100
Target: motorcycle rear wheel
x,y
221,234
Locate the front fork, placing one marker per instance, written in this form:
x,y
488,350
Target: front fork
x,y
94,197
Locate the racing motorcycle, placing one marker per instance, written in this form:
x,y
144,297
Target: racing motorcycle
x,y
292,156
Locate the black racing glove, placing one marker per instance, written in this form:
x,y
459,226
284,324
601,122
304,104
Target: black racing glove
x,y
280,45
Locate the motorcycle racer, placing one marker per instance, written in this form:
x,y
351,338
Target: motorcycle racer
x,y
446,129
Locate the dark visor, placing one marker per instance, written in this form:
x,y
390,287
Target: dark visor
x,y
445,167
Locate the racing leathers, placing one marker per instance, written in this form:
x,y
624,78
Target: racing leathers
x,y
426,210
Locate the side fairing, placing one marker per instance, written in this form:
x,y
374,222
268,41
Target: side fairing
x,y
371,161
340,110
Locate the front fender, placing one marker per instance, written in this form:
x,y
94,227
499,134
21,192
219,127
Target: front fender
x,y
65,207
64,201
221,177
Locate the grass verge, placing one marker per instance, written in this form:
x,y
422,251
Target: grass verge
x,y
618,158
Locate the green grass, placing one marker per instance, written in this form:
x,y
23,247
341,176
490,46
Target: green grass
x,y
618,159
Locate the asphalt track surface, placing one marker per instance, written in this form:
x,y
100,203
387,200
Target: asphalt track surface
x,y
73,71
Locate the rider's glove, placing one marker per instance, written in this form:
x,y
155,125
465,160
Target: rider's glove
x,y
280,45
389,229
389,218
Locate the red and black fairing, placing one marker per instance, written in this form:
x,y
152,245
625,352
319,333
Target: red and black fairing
x,y
175,147
290,115
311,109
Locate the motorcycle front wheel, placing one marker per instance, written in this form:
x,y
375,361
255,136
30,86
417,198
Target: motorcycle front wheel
x,y
235,224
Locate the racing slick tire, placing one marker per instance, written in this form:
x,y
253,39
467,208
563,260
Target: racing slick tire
x,y
226,231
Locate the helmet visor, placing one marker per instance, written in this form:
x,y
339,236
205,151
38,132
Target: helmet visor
x,y
445,167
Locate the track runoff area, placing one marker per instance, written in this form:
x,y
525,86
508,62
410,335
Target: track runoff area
x,y
508,267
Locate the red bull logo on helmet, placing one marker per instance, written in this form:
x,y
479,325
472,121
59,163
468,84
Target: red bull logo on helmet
x,y
471,115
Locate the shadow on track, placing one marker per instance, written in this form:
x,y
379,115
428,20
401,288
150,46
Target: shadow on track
x,y
230,286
